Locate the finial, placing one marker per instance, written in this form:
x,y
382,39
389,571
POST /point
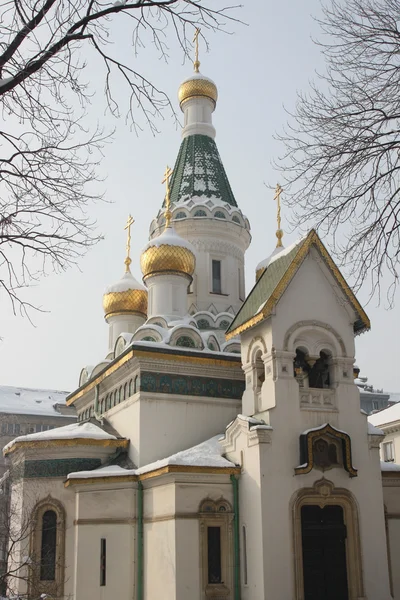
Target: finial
x,y
168,213
196,63
128,260
279,232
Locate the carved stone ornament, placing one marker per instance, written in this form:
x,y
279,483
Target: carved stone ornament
x,y
324,448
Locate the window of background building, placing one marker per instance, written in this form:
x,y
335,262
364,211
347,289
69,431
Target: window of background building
x,y
388,451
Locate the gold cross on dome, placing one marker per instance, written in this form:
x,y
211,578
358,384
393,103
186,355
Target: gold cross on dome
x,y
168,214
279,232
128,225
196,63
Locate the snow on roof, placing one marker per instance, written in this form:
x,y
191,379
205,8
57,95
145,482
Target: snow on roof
x,y
388,415
372,430
68,432
389,466
206,454
127,282
169,237
264,263
28,401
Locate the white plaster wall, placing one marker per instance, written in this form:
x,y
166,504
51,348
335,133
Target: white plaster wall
x,y
180,422
311,296
198,117
167,295
106,512
216,239
122,324
27,495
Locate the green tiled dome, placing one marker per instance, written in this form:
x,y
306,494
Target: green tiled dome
x,y
199,172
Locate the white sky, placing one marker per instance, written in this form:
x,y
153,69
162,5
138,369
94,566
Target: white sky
x,y
257,71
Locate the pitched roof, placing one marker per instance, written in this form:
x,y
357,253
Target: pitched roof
x,y
386,416
199,172
271,285
19,400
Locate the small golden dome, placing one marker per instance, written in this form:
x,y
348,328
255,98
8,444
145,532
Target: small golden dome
x,y
197,85
126,296
168,253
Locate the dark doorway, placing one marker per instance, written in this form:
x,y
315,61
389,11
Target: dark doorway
x,y
324,553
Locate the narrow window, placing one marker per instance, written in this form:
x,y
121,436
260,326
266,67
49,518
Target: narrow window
x,y
103,552
216,277
10,429
48,546
375,405
4,428
17,428
131,390
388,452
244,555
214,554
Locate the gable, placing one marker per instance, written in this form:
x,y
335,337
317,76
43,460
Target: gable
x,y
272,284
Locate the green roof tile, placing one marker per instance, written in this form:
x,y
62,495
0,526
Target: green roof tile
x,y
263,289
199,172
278,275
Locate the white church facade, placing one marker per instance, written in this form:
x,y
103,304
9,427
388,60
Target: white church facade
x,y
220,451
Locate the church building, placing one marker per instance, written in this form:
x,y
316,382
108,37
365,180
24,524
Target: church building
x,y
220,451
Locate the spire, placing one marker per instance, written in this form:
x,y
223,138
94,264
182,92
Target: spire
x,y
279,232
128,259
168,214
196,63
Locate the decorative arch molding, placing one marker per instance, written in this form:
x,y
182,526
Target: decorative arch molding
x,y
301,327
307,440
184,332
256,343
324,493
216,515
36,584
148,331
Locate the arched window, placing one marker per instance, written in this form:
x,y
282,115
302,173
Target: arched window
x,y
219,215
136,384
180,215
125,391
48,538
185,341
224,325
131,392
200,213
148,338
48,546
236,219
203,324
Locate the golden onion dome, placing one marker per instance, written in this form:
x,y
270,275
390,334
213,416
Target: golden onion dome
x,y
195,86
127,296
168,253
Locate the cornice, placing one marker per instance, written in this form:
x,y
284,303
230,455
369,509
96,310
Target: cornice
x,y
108,443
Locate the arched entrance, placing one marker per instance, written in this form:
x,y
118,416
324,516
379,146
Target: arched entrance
x,y
327,554
323,535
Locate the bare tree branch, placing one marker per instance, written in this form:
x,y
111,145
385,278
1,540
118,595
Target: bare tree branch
x,y
48,159
342,157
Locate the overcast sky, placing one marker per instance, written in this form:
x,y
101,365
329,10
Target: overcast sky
x,y
258,70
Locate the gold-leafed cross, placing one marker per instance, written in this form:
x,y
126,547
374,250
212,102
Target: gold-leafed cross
x,y
196,63
168,214
128,225
279,232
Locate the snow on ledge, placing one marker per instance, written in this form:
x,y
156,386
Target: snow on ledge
x,y
206,454
69,432
389,466
169,237
372,430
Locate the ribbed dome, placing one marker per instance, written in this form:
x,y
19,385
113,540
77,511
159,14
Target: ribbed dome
x,y
168,253
125,296
197,85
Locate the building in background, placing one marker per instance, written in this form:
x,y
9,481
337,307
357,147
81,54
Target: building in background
x,y
371,400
